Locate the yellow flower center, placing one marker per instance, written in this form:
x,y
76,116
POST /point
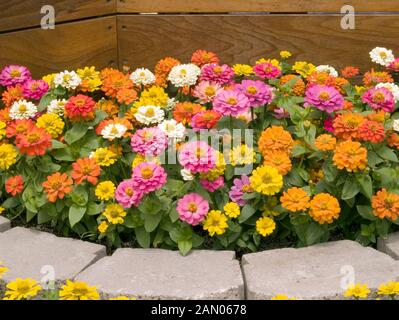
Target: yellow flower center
x,y
210,91
147,173
199,152
183,72
383,55
22,108
378,97
150,112
33,137
129,191
232,101
15,73
246,188
217,69
192,207
114,130
324,95
252,90
23,288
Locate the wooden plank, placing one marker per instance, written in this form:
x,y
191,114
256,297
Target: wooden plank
x,y
18,14
143,40
224,6
69,46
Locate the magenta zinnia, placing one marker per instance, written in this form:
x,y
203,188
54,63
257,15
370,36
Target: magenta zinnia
x,y
192,208
197,156
148,177
324,98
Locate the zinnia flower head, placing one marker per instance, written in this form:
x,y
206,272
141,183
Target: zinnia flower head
x,y
57,106
12,75
19,127
22,109
266,70
148,177
104,157
78,290
394,65
212,185
243,70
142,76
14,185
257,92
382,56
8,156
298,88
202,57
279,160
149,141
385,205
372,131
34,142
324,208
173,129
325,142
127,194
275,138
105,190
350,155
231,102
265,226
221,74
295,199
21,289
80,107
197,156
379,98
35,89
346,125
349,72
232,210
266,180
86,169
162,69
324,98
357,291
215,223
149,115
184,75
90,77
240,187
372,78
206,91
192,208
153,96
303,68
67,79
390,288
393,88
242,155
206,119
12,94
51,123
57,186
185,111
114,81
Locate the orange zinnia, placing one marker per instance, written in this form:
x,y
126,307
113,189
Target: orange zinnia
x,y
162,69
34,142
350,155
126,96
324,208
14,185
385,205
57,186
325,142
349,72
184,111
393,140
279,160
114,81
85,169
298,89
12,94
295,199
378,116
275,138
19,126
372,78
108,107
202,57
346,125
372,131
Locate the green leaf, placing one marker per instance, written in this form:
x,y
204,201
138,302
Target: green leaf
x,y
44,102
386,153
63,155
151,221
246,212
150,205
382,227
366,212
94,208
143,237
311,233
366,184
77,132
30,215
11,203
76,214
185,246
351,189
55,144
43,217
173,214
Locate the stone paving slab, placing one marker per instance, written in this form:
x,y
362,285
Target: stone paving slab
x,y
389,245
164,274
25,252
5,224
315,272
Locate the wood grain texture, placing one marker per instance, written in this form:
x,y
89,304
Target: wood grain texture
x,y
68,46
224,6
18,14
143,40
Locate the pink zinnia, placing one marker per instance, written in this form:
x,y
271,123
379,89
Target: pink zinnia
x,y
379,98
215,73
324,98
231,102
127,194
281,113
266,70
192,208
148,177
206,91
35,89
258,92
14,74
197,156
212,186
240,187
394,65
149,141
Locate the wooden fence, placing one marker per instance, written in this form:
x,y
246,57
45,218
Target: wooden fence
x,y
128,33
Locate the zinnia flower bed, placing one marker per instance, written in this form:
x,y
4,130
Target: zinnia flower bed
x,y
204,154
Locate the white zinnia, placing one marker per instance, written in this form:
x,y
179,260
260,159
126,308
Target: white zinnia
x,y
149,114
393,88
57,106
173,129
171,104
67,79
382,56
326,68
22,109
186,174
142,76
113,131
396,125
184,75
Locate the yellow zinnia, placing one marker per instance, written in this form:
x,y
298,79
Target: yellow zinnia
x,y
303,68
389,289
114,213
2,129
103,227
357,291
216,172
285,54
265,226
154,96
105,190
8,156
104,157
90,79
215,223
232,210
51,123
20,289
242,155
266,180
243,70
78,290
3,269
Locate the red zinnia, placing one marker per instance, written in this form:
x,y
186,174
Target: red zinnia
x,y
205,119
14,185
34,142
372,131
80,107
85,169
202,57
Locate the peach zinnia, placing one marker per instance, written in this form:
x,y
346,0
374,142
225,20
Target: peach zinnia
x,y
325,142
14,185
346,125
35,142
350,155
295,199
279,160
85,169
275,138
185,111
385,205
57,186
324,208
372,131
